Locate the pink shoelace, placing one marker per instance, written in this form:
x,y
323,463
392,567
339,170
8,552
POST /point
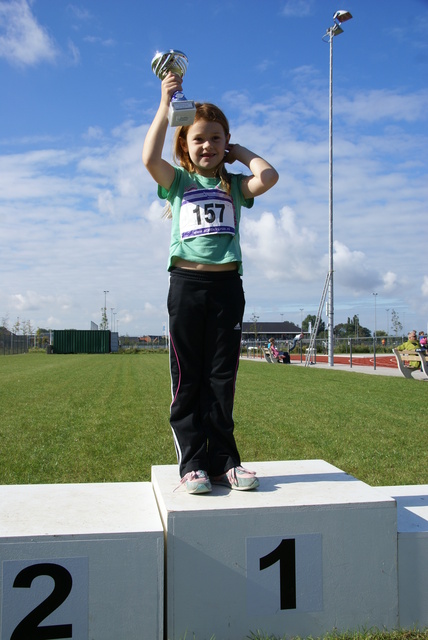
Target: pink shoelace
x,y
192,476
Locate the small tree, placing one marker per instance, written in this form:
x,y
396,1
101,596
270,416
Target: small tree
x,y
396,324
254,319
17,326
104,319
27,328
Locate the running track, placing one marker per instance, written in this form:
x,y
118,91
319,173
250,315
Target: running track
x,y
383,360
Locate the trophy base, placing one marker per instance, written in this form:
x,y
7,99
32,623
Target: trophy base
x,y
181,113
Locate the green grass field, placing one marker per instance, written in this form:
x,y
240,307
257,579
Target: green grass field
x,y
104,418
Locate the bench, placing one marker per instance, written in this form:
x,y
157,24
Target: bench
x,y
285,358
268,356
404,357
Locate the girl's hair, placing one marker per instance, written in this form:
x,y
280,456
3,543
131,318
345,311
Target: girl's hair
x,y
210,113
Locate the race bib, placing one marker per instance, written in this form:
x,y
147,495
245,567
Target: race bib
x,y
206,211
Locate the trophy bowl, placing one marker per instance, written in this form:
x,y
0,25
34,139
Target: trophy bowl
x,y
181,111
166,61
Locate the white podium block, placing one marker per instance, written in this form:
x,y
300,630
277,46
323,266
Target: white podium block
x,y
412,522
81,561
311,550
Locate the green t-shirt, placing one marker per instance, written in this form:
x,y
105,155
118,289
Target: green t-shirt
x,y
205,219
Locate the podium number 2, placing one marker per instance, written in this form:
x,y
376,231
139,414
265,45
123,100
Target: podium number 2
x,y
285,554
45,599
29,626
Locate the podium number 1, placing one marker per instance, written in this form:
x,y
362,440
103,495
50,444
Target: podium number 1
x,y
284,574
285,554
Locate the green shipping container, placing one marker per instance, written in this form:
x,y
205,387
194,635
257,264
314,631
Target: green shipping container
x,y
74,341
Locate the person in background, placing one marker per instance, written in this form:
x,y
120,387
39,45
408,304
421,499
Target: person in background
x,y
411,344
279,355
295,340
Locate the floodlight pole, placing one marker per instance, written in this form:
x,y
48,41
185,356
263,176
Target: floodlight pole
x,y
339,17
375,332
330,299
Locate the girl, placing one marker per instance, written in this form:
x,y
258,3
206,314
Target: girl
x,y
279,355
205,299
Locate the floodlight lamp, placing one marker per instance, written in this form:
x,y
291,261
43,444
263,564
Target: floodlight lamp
x,y
336,30
342,16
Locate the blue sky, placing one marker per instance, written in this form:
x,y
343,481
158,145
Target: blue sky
x,y
79,215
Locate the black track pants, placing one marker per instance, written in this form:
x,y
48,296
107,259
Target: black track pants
x,y
205,324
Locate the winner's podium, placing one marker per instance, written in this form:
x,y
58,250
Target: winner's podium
x,y
81,561
412,523
311,550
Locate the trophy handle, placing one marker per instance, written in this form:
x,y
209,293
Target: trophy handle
x,y
181,111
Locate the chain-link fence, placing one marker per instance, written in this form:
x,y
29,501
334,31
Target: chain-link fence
x,y
347,346
12,343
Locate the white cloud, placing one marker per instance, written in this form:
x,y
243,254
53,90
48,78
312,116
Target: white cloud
x,y
297,8
278,246
89,220
80,14
264,65
383,105
23,41
352,269
416,36
106,202
53,323
25,303
109,42
74,52
94,133
390,281
82,219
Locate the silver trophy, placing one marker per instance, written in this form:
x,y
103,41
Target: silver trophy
x,y
181,111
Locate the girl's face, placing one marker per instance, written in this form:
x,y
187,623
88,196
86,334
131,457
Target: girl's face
x,y
206,143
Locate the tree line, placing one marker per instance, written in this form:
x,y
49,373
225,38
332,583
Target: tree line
x,y
352,328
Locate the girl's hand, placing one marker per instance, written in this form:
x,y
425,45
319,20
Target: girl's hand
x,y
232,153
263,177
170,84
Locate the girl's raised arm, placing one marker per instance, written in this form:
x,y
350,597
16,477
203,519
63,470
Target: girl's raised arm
x,y
160,170
263,177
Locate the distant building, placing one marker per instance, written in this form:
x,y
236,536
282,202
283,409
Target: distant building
x,y
266,330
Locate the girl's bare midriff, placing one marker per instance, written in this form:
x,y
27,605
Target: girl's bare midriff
x,y
198,266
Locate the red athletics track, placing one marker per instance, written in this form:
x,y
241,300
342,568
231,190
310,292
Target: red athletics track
x,y
383,360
